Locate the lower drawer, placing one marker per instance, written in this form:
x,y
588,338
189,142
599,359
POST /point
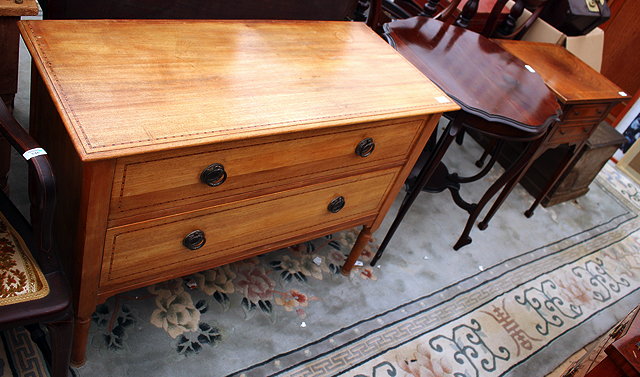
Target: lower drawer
x,y
568,133
141,252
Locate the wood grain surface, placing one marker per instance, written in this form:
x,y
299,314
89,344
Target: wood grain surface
x,y
479,75
131,87
570,78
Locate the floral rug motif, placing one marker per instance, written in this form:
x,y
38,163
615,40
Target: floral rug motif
x,y
271,285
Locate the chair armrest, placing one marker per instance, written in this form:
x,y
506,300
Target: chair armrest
x,y
41,185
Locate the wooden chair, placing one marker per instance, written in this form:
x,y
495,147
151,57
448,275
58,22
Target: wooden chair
x,y
482,17
498,95
33,289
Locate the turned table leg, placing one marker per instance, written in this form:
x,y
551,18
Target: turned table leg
x,y
80,338
361,242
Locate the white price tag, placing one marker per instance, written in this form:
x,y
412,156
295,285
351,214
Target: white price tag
x,y
442,99
624,94
529,68
31,153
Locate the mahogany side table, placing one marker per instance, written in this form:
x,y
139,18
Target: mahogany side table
x,y
586,97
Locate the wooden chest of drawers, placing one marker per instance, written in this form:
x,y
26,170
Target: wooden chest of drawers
x,y
184,145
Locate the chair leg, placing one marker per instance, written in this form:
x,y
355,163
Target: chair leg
x,y
61,334
39,337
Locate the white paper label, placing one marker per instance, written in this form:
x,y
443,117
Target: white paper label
x,y
442,99
624,94
529,68
358,263
31,153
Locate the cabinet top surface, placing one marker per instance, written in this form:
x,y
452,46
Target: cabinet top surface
x,y
12,9
128,87
571,79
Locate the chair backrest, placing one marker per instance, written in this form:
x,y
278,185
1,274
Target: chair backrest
x,y
328,10
42,196
501,22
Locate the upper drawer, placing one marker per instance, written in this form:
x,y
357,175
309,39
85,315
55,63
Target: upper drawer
x,y
138,253
255,167
586,112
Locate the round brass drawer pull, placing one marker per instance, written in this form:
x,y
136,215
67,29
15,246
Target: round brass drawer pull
x,y
365,147
213,175
336,204
194,240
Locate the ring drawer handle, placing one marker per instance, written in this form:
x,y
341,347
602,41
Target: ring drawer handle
x,y
599,111
336,204
576,113
585,129
365,147
213,175
562,132
194,240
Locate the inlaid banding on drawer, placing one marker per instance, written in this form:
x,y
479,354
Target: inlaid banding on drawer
x,y
143,185
230,231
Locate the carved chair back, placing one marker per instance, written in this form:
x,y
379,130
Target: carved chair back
x,y
509,27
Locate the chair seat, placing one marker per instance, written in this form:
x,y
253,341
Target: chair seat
x,y
20,277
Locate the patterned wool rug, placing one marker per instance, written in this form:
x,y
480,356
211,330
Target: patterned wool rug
x,y
494,309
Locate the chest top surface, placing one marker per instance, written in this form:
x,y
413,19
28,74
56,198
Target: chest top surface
x,y
127,87
571,79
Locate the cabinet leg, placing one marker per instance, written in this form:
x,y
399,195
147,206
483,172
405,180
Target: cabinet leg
x,y
80,337
563,166
356,250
